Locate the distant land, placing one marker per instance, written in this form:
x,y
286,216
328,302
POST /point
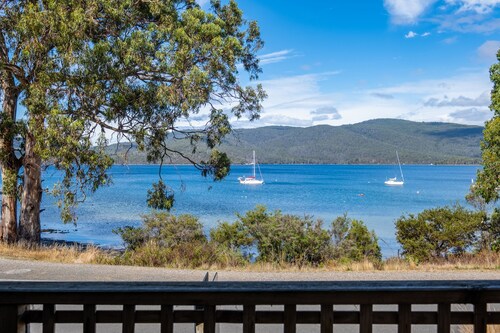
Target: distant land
x,y
368,142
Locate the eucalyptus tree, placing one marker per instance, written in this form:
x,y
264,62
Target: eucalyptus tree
x,y
75,73
488,178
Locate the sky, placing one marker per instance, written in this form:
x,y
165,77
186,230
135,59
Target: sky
x,y
341,62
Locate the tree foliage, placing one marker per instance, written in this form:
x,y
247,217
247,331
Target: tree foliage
x,y
291,239
438,232
87,71
488,178
353,241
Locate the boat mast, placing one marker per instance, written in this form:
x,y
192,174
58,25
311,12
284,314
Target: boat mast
x,y
400,170
253,164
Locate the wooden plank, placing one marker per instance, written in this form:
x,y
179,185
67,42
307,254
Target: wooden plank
x,y
209,319
366,318
404,321
326,318
48,318
290,320
89,318
167,318
480,318
249,318
128,319
444,318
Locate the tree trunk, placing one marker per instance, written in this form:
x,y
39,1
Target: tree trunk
x,y
29,221
8,225
8,162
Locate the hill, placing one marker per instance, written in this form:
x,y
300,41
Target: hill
x,y
369,142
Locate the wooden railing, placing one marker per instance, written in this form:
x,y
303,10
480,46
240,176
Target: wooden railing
x,y
34,303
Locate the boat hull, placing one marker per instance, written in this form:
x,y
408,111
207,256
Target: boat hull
x,y
394,183
250,181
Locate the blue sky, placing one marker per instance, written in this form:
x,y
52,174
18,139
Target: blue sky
x,y
342,62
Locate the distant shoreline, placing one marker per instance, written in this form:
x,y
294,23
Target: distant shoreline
x,y
306,164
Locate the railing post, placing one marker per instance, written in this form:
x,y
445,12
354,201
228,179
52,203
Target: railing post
x,y
167,319
404,322
89,318
444,318
249,318
326,318
48,321
128,318
9,318
480,324
366,318
209,319
290,322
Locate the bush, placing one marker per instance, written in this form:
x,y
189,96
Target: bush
x,y
166,240
287,239
164,229
353,241
439,232
276,238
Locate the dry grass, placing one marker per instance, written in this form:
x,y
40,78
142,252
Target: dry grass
x,y
64,253
60,253
482,261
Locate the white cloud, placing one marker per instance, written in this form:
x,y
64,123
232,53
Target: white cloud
x,y
488,51
304,100
466,16
426,34
411,34
274,57
460,101
405,11
326,113
471,115
274,120
477,6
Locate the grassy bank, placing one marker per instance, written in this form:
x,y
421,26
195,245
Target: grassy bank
x,y
77,254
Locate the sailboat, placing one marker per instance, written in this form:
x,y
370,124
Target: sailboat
x,y
252,180
394,181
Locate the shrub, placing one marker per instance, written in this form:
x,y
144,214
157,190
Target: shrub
x,y
164,229
353,241
287,239
439,232
167,240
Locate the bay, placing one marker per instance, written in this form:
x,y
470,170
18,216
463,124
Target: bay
x,y
321,191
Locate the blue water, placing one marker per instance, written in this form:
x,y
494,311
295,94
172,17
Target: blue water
x,y
323,191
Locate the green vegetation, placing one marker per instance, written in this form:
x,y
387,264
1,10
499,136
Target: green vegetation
x,y
261,236
437,233
369,142
353,241
443,235
136,71
488,178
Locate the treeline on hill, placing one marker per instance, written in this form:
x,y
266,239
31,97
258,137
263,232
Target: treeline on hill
x,y
369,142
435,235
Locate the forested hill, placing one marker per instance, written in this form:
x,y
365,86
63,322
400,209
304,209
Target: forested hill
x,y
369,142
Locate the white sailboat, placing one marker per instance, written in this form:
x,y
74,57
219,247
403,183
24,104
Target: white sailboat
x,y
252,180
394,181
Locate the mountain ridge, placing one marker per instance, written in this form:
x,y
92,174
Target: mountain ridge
x,y
369,142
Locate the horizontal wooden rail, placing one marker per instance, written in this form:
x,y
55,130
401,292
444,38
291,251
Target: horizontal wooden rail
x,y
241,302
